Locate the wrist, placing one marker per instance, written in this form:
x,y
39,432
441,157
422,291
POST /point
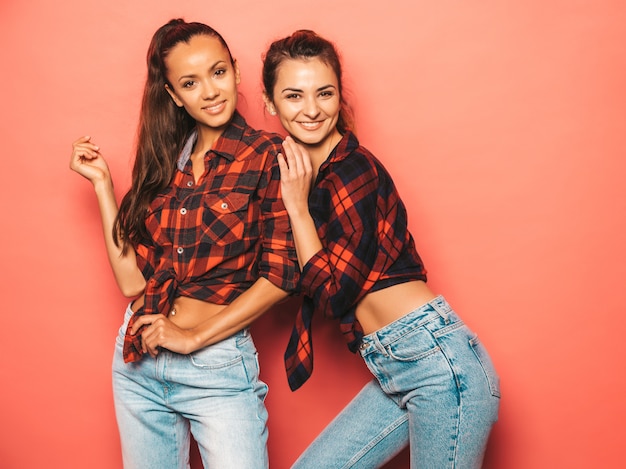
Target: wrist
x,y
299,213
195,340
103,186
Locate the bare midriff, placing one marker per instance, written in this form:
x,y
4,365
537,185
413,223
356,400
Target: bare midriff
x,y
187,312
382,307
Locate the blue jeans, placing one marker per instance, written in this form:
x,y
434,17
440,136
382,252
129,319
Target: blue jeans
x,y
214,394
436,389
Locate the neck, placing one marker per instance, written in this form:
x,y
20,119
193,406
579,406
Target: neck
x,y
206,138
321,151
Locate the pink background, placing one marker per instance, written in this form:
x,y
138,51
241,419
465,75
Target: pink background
x,y
504,125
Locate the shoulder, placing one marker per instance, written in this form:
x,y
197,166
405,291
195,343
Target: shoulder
x,y
359,170
261,139
353,159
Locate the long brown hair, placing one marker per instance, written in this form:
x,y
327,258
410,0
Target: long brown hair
x,y
306,44
163,130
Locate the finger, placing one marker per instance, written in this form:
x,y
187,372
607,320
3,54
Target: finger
x,y
85,152
301,159
154,337
82,154
290,155
144,320
282,165
86,146
150,346
85,142
306,161
146,340
82,139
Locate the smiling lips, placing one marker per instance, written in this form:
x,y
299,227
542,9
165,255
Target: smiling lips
x,y
310,125
215,108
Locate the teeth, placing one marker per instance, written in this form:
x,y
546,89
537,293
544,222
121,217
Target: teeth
x,y
309,124
214,107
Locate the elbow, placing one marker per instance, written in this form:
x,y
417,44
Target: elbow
x,y
134,290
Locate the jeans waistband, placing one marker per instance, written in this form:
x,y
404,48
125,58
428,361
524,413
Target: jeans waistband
x,y
437,308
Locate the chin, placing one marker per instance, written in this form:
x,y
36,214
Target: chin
x,y
307,140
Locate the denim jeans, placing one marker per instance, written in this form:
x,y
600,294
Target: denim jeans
x,y
215,394
435,389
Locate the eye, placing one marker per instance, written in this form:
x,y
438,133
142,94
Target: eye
x,y
327,94
292,96
220,72
188,84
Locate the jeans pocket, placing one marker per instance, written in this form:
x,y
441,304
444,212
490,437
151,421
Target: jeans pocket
x,y
220,355
403,363
412,346
493,380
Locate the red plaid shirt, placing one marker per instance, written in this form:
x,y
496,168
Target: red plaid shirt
x,y
211,240
362,223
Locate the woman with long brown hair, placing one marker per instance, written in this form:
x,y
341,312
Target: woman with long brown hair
x,y
202,242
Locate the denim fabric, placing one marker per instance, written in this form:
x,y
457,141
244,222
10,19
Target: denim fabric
x,y
368,432
438,375
214,393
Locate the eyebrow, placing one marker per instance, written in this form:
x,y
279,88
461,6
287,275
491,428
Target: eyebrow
x,y
322,88
213,67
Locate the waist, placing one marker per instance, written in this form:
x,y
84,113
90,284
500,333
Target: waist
x,y
380,308
436,316
186,312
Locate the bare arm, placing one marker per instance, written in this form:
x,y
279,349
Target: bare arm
x,y
87,161
249,306
296,175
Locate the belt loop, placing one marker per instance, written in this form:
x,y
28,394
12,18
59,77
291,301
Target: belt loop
x,y
380,347
442,308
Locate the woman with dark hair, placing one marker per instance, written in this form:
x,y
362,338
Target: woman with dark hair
x,y
202,242
435,386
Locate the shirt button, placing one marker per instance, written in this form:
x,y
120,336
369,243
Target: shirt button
x,y
179,250
224,205
183,211
189,183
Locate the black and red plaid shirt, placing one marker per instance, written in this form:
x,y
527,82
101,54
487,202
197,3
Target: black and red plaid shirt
x,y
362,223
211,240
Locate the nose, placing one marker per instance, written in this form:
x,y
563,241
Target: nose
x,y
209,90
311,109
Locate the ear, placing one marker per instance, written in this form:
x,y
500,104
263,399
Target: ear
x,y
177,101
237,73
268,104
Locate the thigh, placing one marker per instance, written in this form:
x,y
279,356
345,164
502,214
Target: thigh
x,y
478,389
368,432
451,414
227,410
151,434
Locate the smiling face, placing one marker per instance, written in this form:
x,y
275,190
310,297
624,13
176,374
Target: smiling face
x,y
203,79
307,101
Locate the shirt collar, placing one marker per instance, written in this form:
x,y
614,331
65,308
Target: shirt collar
x,y
342,150
226,145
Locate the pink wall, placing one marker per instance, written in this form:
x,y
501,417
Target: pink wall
x,y
504,125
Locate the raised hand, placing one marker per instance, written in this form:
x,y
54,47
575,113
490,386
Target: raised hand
x,y
87,161
296,176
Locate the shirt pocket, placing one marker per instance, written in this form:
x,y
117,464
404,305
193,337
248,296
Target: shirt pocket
x,y
224,217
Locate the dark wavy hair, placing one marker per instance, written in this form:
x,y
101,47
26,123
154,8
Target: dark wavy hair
x,y
306,44
163,129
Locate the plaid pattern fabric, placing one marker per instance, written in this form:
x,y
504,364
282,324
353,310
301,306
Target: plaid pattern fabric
x,y
367,246
211,240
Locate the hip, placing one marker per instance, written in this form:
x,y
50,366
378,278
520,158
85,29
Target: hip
x,y
430,345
